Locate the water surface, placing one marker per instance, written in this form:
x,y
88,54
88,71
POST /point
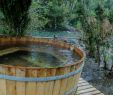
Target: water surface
x,y
36,55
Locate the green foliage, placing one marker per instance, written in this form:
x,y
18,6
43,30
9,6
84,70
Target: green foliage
x,y
15,15
52,14
92,23
38,21
87,26
110,17
99,12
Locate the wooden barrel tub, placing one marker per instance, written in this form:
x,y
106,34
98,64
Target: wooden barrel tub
x,y
17,80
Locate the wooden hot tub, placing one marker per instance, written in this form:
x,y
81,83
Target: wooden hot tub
x,y
17,80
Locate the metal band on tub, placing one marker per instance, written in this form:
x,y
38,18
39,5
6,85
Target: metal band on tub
x,y
45,79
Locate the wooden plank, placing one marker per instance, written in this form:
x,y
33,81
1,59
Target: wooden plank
x,y
31,86
57,85
72,80
68,83
77,76
64,82
2,82
49,88
41,85
96,92
83,84
50,84
85,87
86,90
20,86
11,85
82,81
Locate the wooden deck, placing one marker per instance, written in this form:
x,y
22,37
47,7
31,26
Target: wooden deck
x,y
84,88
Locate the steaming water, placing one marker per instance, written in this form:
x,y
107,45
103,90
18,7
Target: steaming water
x,y
36,55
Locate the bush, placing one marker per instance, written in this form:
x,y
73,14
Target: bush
x,y
96,28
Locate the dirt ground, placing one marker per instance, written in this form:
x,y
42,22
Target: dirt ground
x,y
99,78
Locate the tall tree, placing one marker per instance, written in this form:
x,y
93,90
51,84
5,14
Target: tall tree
x,y
15,15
